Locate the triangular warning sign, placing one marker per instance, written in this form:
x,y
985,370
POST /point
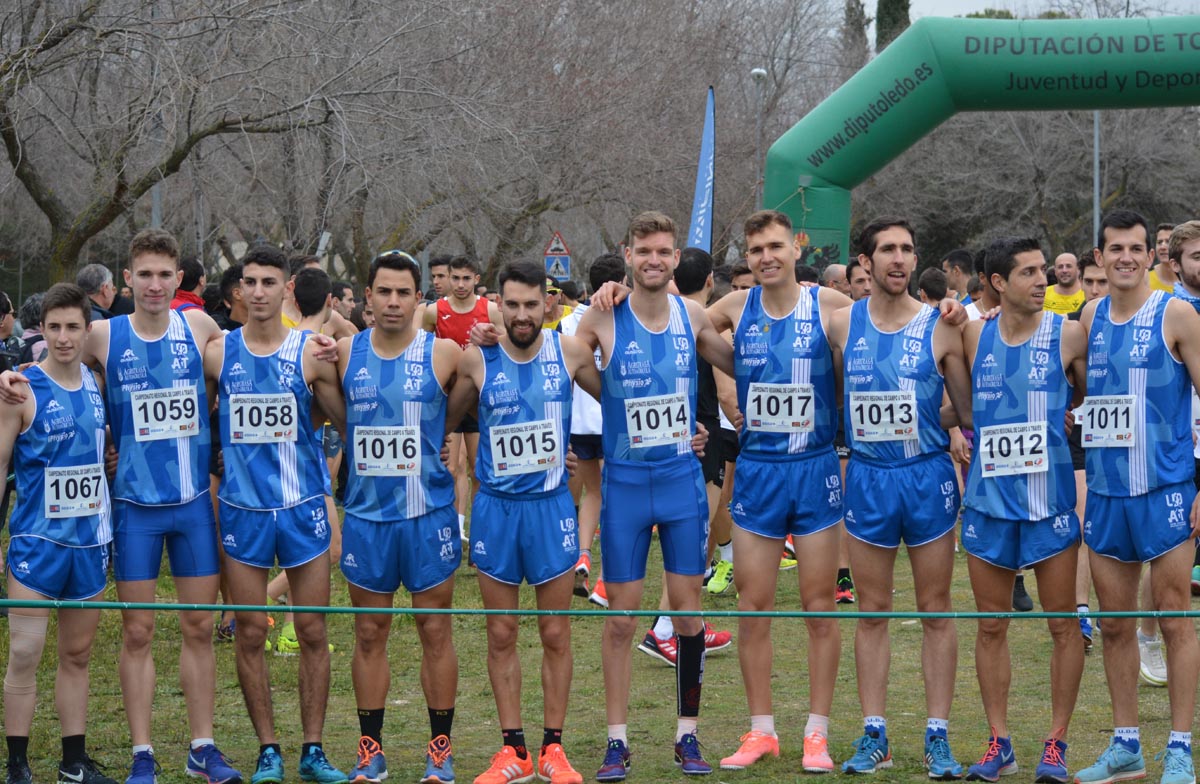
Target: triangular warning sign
x,y
556,270
556,247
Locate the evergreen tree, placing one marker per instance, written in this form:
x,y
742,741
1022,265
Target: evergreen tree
x,y
891,19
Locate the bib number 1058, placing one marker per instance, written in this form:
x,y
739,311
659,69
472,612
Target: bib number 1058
x,y
262,419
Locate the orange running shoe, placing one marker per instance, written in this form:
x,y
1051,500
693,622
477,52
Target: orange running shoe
x,y
553,766
755,745
507,768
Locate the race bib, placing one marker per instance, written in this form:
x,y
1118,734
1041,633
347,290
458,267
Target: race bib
x,y
387,451
884,416
77,491
525,448
165,413
1107,421
658,421
780,408
1007,450
262,419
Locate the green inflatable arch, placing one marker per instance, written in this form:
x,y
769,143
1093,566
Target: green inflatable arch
x,y
942,66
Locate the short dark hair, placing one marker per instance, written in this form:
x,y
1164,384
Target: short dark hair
x,y
604,268
933,283
439,261
760,220
30,313
651,222
1002,254
397,261
807,274
466,262
1164,227
527,272
154,241
980,263
570,289
961,260
266,255
230,279
193,271
311,291
66,295
866,237
695,265
297,262
339,289
1122,219
852,265
739,269
722,277
212,298
1087,260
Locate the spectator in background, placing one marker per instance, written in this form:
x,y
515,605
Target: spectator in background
x,y
959,266
439,278
10,345
859,279
96,280
834,277
34,349
232,313
344,299
975,289
187,295
212,298
807,274
572,292
932,286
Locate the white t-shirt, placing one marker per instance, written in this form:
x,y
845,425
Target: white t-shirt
x,y
586,418
973,313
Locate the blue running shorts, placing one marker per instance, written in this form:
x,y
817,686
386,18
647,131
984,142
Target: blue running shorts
x,y
1140,528
420,552
774,498
1018,544
913,500
639,496
188,531
57,571
293,536
531,537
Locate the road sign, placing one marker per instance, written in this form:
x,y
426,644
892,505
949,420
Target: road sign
x,y
558,258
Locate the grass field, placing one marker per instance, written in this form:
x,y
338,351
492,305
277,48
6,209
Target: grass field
x,y
652,703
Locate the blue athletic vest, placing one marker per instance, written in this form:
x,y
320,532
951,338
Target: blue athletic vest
x,y
876,361
400,392
163,471
276,475
647,364
520,393
1012,385
1133,359
788,350
67,431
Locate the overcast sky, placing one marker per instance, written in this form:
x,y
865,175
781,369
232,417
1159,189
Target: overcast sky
x,y
921,8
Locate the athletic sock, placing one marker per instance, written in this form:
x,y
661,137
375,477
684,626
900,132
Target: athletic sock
x,y
844,574
1082,609
818,724
875,724
308,748
764,723
199,743
550,736
440,721
1130,737
1182,739
685,726
619,732
272,746
145,747
726,551
936,727
664,627
1146,638
370,724
73,749
18,748
689,673
516,739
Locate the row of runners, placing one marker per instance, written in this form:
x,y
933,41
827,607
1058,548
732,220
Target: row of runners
x,y
395,391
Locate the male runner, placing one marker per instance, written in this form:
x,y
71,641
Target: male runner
x,y
400,519
1162,275
1143,349
1027,366
272,499
648,345
1066,295
860,280
788,478
897,358
452,317
59,533
1184,254
522,520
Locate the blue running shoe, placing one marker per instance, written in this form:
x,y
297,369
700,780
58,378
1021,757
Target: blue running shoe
x,y
371,765
144,769
270,768
1177,765
939,762
616,762
208,763
871,753
439,762
315,767
688,757
1053,767
997,761
1117,763
1085,629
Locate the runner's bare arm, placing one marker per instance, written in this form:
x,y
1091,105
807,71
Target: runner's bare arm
x,y
725,312
465,394
948,351
709,342
326,387
1074,357
214,357
581,363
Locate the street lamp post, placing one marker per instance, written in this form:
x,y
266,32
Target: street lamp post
x,y
759,76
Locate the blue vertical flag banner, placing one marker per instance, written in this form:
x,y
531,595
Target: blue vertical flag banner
x,y
700,230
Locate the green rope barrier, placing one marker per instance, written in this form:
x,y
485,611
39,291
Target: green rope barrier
x,y
468,611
